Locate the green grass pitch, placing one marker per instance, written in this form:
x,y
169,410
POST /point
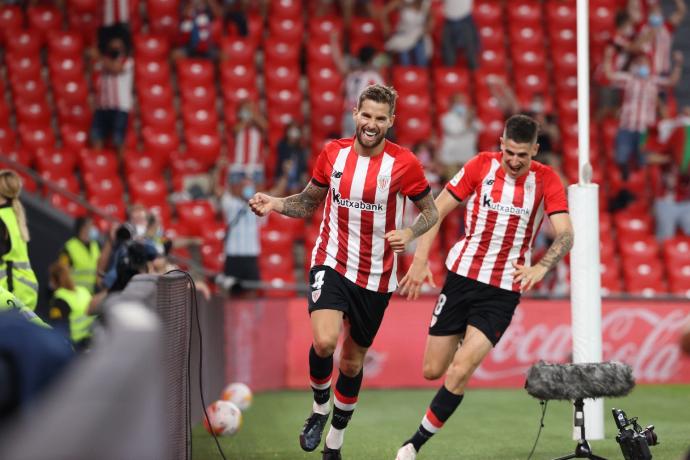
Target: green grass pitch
x,y
489,424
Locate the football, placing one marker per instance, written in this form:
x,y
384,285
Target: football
x,y
224,418
239,394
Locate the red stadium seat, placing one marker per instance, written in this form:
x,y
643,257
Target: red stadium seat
x,y
410,79
679,279
275,241
324,79
285,100
205,146
56,161
65,44
195,215
565,63
487,12
235,74
563,40
560,15
33,113
414,102
195,72
63,179
213,257
11,19
238,51
151,47
532,82
281,77
147,190
76,114
64,204
255,26
152,71
23,43
643,249
364,31
451,80
492,36
198,96
201,119
214,233
155,95
286,8
524,13
493,60
529,37
142,163
160,117
288,29
632,225
158,7
4,112
279,51
323,124
165,24
413,128
71,91
24,67
321,28
98,163
65,68
7,139
44,19
73,138
236,94
326,101
107,188
28,91
526,60
602,18
36,137
676,251
160,141
320,55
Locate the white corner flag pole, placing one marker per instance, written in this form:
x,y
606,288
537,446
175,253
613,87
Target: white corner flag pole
x,y
585,290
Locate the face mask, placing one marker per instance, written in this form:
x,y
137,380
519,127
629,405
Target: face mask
x,y
245,115
293,133
140,230
93,234
248,191
537,106
159,233
656,20
460,109
643,71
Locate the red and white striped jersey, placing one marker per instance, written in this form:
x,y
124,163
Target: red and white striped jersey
x,y
115,90
249,146
115,11
503,216
366,197
659,47
638,111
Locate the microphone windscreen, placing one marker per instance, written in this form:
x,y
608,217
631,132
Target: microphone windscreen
x,y
581,380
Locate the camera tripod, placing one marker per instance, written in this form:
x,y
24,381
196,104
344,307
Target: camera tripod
x,y
582,450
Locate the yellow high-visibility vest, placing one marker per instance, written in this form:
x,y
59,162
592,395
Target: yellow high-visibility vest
x,y
16,274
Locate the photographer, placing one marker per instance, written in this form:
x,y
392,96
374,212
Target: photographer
x,y
114,95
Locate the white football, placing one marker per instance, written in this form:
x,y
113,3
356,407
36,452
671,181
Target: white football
x,y
239,394
224,418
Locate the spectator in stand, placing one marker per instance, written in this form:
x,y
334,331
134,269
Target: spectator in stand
x,y
549,135
242,243
504,94
660,33
115,24
291,172
249,141
411,39
426,154
81,253
460,128
638,113
669,147
196,28
235,12
359,73
113,96
459,31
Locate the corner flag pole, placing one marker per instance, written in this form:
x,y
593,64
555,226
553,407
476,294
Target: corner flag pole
x,y
585,290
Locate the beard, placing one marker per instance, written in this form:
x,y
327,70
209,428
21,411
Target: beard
x,y
366,142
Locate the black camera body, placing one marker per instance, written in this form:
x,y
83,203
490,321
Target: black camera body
x,y
634,441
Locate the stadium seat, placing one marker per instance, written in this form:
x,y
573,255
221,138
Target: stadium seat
x,y
71,91
565,63
98,163
195,214
238,51
214,233
233,95
164,24
11,19
528,60
198,96
632,225
324,79
7,139
200,119
602,17
152,71
285,100
24,67
493,59
147,190
531,82
29,90
65,68
64,204
159,117
492,36
642,249
195,72
64,179
142,163
326,101
487,12
679,279
44,19
287,29
320,55
676,251
410,79
36,137
106,188
213,257
413,102
205,146
237,74
325,123
57,162
321,28
413,128
65,44
151,47
255,26
291,226
163,142
281,52
276,241
286,8
33,113
527,37
364,31
563,40
155,95
524,13
450,80
76,114
279,77
23,42
22,156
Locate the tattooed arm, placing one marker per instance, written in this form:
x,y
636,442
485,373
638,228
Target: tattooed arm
x,y
428,216
529,276
300,205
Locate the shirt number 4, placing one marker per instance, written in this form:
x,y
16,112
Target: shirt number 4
x,y
318,279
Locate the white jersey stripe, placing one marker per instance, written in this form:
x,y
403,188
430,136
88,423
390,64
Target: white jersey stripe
x,y
499,232
399,206
379,226
520,233
355,217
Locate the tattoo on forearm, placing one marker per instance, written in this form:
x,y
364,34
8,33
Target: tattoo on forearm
x,y
304,203
558,249
428,215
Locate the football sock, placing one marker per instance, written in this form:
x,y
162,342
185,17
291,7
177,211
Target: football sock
x,y
345,400
442,407
320,371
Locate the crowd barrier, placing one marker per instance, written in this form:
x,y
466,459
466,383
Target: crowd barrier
x,y
267,342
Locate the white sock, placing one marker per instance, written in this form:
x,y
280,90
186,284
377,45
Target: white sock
x,y
323,409
334,440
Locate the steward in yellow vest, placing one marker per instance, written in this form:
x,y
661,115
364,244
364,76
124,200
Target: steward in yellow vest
x,y
9,301
69,306
16,274
82,252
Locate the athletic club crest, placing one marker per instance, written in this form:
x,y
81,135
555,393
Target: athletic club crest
x,y
315,295
382,182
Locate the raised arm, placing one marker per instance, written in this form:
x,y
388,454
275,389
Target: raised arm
x,y
529,276
419,271
300,205
678,15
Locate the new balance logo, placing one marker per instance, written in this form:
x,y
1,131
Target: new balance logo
x,y
336,174
489,182
363,205
502,208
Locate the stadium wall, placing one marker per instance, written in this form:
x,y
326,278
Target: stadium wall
x,y
267,343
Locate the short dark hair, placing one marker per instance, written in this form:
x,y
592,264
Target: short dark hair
x,y
521,129
622,17
379,93
80,223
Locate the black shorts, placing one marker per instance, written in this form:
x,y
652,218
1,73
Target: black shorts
x,y
364,309
466,301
